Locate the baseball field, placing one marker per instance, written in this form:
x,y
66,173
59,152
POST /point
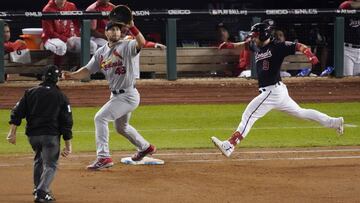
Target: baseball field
x,y
283,159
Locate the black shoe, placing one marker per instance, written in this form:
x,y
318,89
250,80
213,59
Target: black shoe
x,y
43,197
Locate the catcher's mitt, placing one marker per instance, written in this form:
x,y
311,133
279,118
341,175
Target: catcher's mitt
x,y
121,14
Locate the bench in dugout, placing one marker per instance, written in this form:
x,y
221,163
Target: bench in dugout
x,y
200,60
39,59
207,59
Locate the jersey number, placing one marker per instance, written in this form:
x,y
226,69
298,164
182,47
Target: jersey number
x,y
265,65
120,70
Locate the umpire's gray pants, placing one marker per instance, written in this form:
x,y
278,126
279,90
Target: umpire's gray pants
x,y
47,149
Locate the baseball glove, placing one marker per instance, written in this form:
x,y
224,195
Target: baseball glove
x,y
121,14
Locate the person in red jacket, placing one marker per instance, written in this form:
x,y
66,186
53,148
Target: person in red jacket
x,y
61,35
11,46
98,25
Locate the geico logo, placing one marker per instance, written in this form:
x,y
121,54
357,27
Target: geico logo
x,y
179,12
141,13
37,14
71,13
277,12
3,14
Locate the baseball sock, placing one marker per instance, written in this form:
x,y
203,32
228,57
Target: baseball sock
x,y
236,138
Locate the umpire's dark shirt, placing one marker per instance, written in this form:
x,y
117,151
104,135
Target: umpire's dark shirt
x,y
47,112
269,59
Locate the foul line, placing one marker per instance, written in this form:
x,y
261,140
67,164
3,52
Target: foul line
x,y
175,154
222,160
26,156
269,159
236,152
212,129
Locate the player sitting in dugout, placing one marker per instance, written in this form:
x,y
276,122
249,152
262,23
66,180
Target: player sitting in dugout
x,y
62,35
10,46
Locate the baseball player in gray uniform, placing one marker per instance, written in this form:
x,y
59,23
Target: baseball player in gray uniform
x,y
116,60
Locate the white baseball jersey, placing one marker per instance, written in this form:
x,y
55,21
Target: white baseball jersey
x,y
116,63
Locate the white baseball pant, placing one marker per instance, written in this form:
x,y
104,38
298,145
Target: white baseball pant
x,y
351,61
277,97
73,45
99,41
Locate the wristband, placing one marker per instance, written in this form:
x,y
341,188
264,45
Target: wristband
x,y
134,30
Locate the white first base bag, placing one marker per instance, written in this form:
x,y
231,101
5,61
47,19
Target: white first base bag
x,y
20,56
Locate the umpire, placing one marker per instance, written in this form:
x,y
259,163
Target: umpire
x,y
48,115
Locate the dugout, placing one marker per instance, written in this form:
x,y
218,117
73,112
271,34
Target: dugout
x,y
178,25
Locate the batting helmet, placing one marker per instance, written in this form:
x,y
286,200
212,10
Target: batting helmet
x,y
261,30
270,22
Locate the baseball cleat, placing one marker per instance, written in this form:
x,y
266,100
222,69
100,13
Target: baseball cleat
x,y
101,163
340,128
225,147
138,156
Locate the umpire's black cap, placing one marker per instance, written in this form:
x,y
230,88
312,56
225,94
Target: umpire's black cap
x,y
51,74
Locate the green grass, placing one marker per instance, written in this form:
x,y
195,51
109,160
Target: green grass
x,y
191,126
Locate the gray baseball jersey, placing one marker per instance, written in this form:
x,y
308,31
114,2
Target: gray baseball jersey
x,y
116,63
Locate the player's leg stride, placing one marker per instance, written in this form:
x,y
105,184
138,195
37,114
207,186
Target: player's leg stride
x,y
138,156
101,163
227,147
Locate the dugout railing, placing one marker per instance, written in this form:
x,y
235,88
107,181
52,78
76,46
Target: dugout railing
x,y
172,16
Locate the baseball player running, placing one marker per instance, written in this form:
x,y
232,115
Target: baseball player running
x,y
269,55
116,61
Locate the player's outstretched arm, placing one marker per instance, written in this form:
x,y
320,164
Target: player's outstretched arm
x,y
149,44
229,45
307,51
82,73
